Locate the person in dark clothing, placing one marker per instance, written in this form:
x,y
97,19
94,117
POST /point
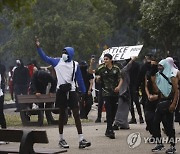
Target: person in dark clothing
x,y
87,101
177,112
38,86
3,76
100,103
39,83
134,70
21,79
2,90
98,86
2,117
152,101
10,82
141,77
166,85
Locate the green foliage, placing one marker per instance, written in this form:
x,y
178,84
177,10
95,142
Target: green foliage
x,y
60,23
18,10
88,25
161,19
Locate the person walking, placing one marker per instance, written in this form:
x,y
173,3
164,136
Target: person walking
x,y
111,79
124,102
150,105
167,88
133,72
87,101
67,71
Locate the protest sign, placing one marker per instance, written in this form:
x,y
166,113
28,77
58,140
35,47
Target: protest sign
x,y
121,53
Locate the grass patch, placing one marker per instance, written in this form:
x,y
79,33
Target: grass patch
x,y
7,96
15,120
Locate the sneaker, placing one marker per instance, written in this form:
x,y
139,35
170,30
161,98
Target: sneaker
x,y
133,121
98,120
171,150
84,143
2,142
141,121
110,134
63,144
115,127
35,106
158,147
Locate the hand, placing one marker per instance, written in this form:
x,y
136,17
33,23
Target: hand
x,y
172,107
82,96
50,94
116,90
38,94
37,42
89,92
133,58
152,97
98,78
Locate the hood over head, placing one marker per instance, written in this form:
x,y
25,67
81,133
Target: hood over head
x,y
70,52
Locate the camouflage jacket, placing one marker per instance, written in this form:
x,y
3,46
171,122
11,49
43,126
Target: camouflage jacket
x,y
109,78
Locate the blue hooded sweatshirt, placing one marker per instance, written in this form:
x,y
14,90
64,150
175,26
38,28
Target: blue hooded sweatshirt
x,y
64,70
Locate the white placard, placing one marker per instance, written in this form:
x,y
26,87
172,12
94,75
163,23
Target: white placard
x,y
121,53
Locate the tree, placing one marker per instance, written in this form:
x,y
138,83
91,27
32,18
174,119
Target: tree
x,y
60,23
162,21
18,10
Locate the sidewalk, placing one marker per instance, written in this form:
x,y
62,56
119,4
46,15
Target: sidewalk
x,y
94,132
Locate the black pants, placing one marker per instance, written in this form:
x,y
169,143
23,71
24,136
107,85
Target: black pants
x,y
149,117
100,104
63,101
20,89
111,108
135,99
85,106
177,111
2,118
168,121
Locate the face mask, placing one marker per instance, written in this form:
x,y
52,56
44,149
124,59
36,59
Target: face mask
x,y
148,64
64,57
154,69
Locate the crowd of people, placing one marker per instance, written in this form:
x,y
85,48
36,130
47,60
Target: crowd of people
x,y
121,85
158,81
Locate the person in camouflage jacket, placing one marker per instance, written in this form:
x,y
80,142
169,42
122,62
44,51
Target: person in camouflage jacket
x,y
111,79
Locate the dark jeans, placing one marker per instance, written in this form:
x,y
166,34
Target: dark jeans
x,y
168,121
111,108
2,118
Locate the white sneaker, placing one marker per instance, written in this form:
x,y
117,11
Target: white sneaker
x,y
3,143
34,106
63,144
